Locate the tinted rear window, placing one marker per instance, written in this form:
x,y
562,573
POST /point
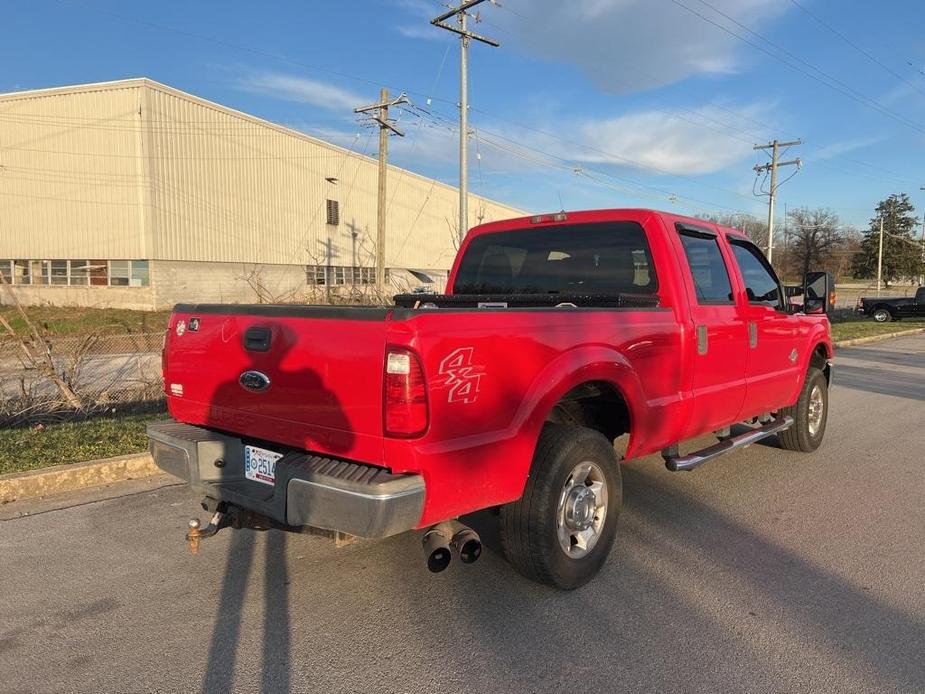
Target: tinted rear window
x,y
605,258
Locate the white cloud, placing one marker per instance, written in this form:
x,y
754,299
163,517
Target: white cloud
x,y
300,90
423,31
836,149
631,45
655,141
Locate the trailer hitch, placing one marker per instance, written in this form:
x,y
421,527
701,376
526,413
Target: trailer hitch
x,y
196,532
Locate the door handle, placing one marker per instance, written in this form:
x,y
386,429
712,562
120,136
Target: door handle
x,y
702,339
752,334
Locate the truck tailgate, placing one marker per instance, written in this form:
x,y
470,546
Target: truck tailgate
x,y
304,376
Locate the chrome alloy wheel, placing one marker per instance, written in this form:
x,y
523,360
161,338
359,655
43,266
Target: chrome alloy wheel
x,y
582,509
816,410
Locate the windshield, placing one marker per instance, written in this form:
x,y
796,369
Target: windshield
x,y
604,258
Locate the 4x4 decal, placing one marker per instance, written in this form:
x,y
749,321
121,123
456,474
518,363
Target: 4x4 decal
x,y
462,376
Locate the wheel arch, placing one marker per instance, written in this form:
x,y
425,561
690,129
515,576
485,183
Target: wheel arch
x,y
821,358
603,376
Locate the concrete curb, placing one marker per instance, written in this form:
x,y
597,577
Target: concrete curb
x,y
877,338
66,478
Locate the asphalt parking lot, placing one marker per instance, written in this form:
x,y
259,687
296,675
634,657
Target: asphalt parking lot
x,y
765,571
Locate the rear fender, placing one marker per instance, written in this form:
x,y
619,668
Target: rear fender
x,y
571,369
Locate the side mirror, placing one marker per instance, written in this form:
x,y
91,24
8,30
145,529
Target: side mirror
x,y
819,292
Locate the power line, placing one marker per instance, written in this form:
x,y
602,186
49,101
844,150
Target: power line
x,y
833,82
854,45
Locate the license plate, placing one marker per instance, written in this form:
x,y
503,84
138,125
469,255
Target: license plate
x,y
260,464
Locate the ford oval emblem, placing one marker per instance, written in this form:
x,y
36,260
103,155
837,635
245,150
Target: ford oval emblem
x,y
254,381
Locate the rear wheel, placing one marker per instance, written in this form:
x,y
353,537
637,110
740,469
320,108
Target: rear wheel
x,y
561,530
810,414
881,315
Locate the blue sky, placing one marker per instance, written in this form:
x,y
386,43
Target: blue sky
x,y
652,102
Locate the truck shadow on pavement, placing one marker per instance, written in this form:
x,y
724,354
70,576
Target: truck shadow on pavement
x,y
226,634
668,546
691,600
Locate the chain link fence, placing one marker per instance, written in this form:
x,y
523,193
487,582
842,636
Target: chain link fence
x,y
86,374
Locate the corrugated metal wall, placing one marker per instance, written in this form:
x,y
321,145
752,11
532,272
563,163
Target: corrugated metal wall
x,y
71,181
231,188
134,169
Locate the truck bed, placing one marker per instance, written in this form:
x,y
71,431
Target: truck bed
x,y
486,372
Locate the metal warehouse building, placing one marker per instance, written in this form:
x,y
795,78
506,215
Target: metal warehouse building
x,y
132,194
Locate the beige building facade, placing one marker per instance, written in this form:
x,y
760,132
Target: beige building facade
x,y
133,194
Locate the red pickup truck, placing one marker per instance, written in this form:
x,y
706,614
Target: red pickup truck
x,y
558,334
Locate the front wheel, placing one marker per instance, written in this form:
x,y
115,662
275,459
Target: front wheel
x,y
881,315
561,530
810,414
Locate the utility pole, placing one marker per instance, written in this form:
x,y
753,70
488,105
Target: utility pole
x,y
381,117
772,166
923,245
880,256
464,37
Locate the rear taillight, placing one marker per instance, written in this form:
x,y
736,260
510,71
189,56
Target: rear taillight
x,y
405,394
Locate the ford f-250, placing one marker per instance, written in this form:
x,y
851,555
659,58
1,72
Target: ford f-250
x,y
558,334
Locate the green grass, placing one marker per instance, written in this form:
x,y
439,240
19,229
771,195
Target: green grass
x,y
867,328
83,321
31,448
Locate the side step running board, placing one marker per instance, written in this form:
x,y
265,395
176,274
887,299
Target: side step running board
x,y
692,460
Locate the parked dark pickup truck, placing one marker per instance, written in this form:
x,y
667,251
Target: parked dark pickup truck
x,y
883,309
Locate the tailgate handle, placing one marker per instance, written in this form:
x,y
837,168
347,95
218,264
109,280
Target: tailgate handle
x,y
257,339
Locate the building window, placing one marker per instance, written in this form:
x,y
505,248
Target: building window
x,y
340,275
58,274
77,273
139,273
314,274
119,273
39,271
332,207
98,272
21,272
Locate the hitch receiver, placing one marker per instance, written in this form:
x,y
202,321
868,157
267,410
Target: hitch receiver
x,y
196,533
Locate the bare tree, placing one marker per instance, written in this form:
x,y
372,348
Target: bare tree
x,y
37,349
756,229
814,236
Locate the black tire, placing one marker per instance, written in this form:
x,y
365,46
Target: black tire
x,y
882,315
530,528
803,436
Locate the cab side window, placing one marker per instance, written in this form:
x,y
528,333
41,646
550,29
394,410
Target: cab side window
x,y
761,285
711,278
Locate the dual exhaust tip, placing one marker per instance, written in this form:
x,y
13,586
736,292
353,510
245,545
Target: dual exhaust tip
x,y
439,539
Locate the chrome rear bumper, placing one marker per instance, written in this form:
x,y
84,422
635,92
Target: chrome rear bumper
x,y
310,490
